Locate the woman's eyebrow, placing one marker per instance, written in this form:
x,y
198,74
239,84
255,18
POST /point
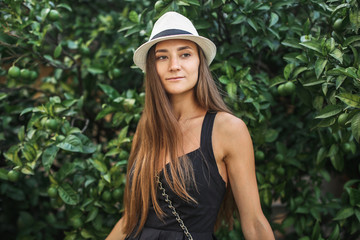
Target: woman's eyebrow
x,y
184,47
161,50
179,49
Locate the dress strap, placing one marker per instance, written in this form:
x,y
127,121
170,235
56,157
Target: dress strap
x,y
206,134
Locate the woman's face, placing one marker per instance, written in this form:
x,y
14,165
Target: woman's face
x,y
177,64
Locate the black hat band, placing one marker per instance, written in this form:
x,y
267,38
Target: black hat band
x,y
170,32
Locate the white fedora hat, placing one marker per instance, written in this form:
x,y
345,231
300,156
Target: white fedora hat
x,y
173,25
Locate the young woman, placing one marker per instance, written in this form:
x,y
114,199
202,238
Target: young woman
x,y
190,156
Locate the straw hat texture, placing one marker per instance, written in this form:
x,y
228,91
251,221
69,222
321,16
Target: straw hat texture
x,y
173,25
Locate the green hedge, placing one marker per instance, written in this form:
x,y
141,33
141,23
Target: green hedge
x,y
71,98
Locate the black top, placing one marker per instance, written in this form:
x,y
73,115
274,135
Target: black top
x,y
199,218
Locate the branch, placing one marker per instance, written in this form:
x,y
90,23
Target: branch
x,y
7,90
7,44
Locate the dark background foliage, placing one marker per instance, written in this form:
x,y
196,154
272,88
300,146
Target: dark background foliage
x,y
71,98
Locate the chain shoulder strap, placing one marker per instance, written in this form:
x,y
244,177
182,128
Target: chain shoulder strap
x,y
172,208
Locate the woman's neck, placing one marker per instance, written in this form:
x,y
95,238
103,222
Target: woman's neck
x,y
185,106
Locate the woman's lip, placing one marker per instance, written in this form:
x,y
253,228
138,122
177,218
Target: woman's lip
x,y
174,78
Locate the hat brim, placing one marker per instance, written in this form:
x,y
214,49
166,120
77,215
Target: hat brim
x,y
206,45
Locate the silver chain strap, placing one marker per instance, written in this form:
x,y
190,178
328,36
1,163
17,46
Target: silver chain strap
x,y
172,208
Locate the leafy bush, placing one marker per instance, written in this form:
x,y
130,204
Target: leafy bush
x,y
70,102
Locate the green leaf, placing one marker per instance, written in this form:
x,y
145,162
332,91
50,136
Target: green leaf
x,y
318,102
95,71
316,231
297,71
106,111
351,183
123,133
13,155
327,122
344,213
99,165
3,174
3,96
64,5
319,66
335,233
302,209
276,34
338,8
231,89
350,72
68,194
337,162
304,238
271,135
92,214
52,61
193,2
351,40
289,221
349,99
70,236
329,111
354,18
21,134
276,81
229,70
337,54
273,19
252,24
66,169
183,3
311,82
71,143
223,79
48,156
334,149
86,234
113,152
325,174
69,102
355,127
357,214
107,177
321,155
26,110
57,51
339,81
132,31
44,13
288,70
239,19
313,45
354,196
110,91
87,145
294,43
55,99
266,196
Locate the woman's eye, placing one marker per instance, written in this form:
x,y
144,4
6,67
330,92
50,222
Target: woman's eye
x,y
186,55
160,57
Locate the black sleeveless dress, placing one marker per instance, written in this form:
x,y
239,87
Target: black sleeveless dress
x,y
199,218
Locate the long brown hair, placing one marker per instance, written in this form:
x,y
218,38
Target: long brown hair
x,y
158,136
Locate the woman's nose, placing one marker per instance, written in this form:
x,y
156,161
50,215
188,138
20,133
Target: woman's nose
x,y
174,64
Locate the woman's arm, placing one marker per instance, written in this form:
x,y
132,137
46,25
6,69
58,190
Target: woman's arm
x,y
116,233
238,155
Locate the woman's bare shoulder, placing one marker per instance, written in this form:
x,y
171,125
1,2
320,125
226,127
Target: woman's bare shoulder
x,y
227,123
229,133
